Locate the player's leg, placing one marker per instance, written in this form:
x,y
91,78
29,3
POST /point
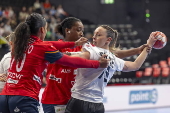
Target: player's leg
x,y
4,104
23,104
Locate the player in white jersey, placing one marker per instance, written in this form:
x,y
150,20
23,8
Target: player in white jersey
x,y
87,92
5,63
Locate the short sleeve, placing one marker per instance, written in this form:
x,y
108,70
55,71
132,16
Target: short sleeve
x,y
118,63
93,53
52,54
1,67
5,63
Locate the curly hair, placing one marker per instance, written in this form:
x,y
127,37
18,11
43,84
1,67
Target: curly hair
x,y
66,23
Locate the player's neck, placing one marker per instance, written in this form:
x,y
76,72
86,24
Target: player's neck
x,y
105,47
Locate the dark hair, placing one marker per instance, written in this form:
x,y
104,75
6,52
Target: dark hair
x,y
23,31
66,23
113,34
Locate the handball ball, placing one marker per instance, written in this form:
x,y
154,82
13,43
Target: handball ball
x,y
161,42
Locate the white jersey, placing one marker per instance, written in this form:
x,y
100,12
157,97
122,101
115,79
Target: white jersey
x,y
89,82
4,66
5,63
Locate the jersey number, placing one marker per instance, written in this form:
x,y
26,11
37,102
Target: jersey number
x,y
106,73
18,69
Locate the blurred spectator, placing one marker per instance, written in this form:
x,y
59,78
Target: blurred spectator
x,y
7,27
13,21
2,19
37,6
11,12
1,12
1,29
52,26
23,14
61,13
53,11
30,10
5,13
45,15
47,5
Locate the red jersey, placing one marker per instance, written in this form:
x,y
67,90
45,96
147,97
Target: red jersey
x,y
25,76
60,80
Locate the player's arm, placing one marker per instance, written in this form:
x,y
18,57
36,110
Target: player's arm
x,y
75,61
1,67
130,52
133,66
85,55
4,64
61,44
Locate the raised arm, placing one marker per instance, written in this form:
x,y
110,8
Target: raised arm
x,y
133,66
130,52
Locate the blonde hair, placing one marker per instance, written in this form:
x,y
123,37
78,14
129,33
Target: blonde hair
x,y
10,37
114,35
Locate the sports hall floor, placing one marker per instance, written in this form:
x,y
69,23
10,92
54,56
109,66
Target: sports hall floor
x,y
155,110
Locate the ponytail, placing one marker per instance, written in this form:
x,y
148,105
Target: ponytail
x,y
114,35
68,22
22,35
59,29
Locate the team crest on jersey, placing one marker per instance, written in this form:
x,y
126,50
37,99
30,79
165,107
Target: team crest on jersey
x,y
52,77
16,110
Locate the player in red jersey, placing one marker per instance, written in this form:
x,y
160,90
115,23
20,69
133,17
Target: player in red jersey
x,y
60,79
30,56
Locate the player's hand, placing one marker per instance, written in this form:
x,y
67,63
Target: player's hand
x,y
67,53
149,49
81,41
104,62
3,77
152,38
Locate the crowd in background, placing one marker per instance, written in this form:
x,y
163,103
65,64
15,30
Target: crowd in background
x,y
9,17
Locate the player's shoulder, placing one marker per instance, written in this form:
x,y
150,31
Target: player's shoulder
x,y
44,44
88,45
6,56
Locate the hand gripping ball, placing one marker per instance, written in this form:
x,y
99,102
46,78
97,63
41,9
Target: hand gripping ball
x,y
161,42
